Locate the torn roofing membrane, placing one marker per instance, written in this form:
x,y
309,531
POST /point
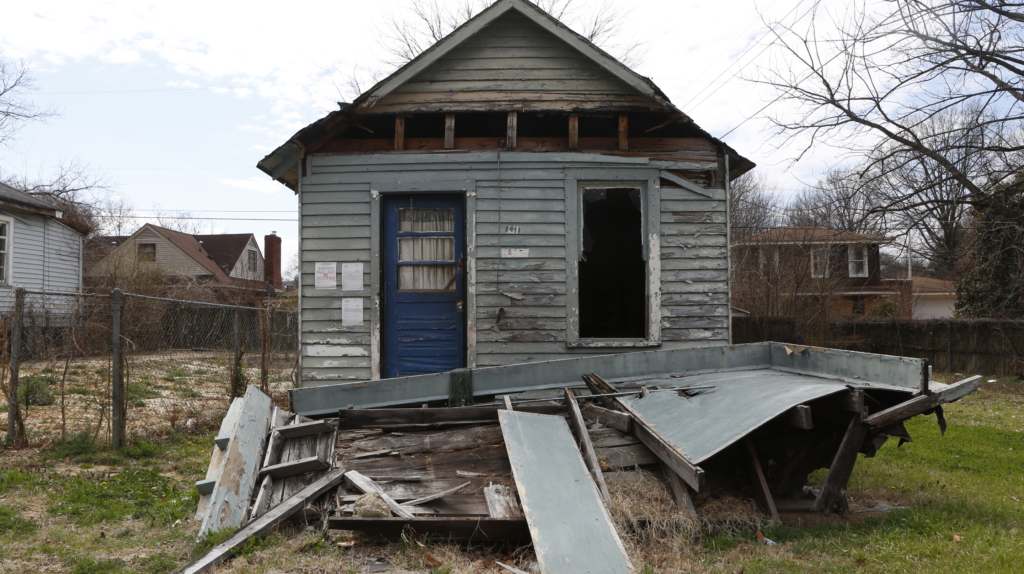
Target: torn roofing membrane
x,y
738,402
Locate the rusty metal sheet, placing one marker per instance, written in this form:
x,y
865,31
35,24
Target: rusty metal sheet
x,y
571,529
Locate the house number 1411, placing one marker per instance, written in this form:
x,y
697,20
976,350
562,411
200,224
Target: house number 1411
x,y
512,229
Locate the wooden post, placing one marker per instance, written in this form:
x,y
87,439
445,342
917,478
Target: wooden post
x,y
834,489
574,132
510,137
15,426
623,131
449,131
760,485
399,133
117,381
589,456
680,491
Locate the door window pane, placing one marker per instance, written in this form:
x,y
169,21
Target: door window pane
x,y
426,277
426,249
410,219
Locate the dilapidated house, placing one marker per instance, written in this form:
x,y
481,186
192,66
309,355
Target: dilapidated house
x,y
513,194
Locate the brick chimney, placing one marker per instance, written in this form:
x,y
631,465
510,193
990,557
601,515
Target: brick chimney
x,y
272,260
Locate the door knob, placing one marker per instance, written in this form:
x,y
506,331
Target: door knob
x,y
458,306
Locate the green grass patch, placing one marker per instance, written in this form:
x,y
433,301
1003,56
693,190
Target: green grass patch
x,y
138,493
159,563
188,393
91,566
13,478
13,524
78,391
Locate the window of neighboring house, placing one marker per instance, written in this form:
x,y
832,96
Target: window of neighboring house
x,y
858,260
858,305
252,262
769,258
819,262
147,252
5,251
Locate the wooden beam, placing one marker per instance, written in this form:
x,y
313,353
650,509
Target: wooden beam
x,y
304,429
574,132
508,402
922,403
798,416
441,494
576,421
446,528
623,131
295,468
379,418
365,485
852,400
764,496
680,491
614,419
259,526
834,490
399,133
449,131
689,472
501,502
510,137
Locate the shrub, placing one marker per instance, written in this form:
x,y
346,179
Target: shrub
x,y
35,391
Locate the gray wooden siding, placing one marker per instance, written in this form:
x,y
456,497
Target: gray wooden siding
x,y
512,55
168,256
46,256
240,271
527,190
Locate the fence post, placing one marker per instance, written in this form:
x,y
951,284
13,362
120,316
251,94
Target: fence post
x,y
266,319
13,410
117,408
236,365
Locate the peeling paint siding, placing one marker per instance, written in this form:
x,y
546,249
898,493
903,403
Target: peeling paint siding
x,y
338,202
334,351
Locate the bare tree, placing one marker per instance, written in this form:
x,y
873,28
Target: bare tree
x,y
872,82
840,200
754,205
15,109
73,187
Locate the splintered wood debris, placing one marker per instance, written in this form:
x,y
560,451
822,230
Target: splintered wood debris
x,y
535,470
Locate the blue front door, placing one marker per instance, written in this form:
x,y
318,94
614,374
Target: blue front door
x,y
424,285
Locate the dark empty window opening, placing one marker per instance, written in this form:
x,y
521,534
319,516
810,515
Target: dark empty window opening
x,y
147,252
613,273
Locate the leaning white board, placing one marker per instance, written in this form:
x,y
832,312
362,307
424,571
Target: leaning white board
x,y
571,529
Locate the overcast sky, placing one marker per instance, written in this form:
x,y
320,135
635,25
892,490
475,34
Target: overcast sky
x,y
176,102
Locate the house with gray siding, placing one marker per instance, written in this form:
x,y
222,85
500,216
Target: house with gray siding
x,y
514,194
38,251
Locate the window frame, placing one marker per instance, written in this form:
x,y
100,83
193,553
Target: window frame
x,y
648,181
138,252
9,252
814,261
252,257
849,259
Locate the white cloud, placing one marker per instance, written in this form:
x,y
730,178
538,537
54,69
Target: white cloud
x,y
260,184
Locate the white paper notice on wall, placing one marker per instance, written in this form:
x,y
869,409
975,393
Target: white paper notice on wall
x,y
351,312
326,275
507,252
351,276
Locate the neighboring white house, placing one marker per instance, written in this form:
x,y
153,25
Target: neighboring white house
x,y
933,298
37,251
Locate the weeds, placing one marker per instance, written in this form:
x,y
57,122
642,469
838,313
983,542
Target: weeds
x,y
35,391
90,566
140,494
12,523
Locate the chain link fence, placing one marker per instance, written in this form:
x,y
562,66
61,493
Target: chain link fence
x,y
63,376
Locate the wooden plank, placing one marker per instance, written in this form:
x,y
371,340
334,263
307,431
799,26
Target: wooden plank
x,y
623,131
852,401
576,420
399,133
441,528
501,502
229,503
438,495
574,132
680,491
833,492
366,485
304,429
628,457
508,402
922,403
419,442
449,131
376,418
571,528
259,526
614,419
761,491
798,416
510,137
295,467
262,502
217,458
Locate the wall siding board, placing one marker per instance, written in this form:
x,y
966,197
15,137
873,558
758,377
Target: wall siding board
x,y
530,291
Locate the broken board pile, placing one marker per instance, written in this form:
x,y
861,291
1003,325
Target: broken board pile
x,y
535,467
